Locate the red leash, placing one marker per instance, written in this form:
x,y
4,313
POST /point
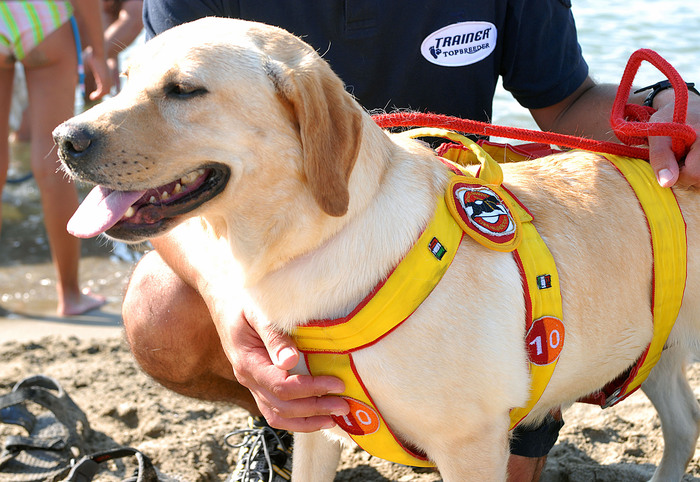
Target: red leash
x,y
629,122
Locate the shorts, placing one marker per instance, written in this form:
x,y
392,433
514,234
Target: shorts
x,y
25,24
536,441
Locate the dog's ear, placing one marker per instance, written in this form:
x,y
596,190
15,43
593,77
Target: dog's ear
x,y
330,126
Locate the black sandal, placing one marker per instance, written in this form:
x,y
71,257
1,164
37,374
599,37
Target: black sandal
x,y
53,436
85,469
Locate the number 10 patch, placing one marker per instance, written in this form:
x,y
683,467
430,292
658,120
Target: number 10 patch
x,y
545,340
362,419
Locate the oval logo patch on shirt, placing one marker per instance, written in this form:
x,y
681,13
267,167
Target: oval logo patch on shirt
x,y
460,44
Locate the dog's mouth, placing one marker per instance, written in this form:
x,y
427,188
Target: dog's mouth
x,y
138,215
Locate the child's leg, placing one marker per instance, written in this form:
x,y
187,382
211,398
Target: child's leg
x,y
51,71
7,72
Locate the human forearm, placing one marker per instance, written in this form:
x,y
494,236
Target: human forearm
x,y
89,17
585,113
124,30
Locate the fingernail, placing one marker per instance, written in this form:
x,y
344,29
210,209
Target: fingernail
x,y
340,412
665,177
336,388
285,354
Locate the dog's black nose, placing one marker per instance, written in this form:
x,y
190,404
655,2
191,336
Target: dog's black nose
x,y
72,141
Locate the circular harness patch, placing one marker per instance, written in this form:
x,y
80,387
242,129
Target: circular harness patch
x,y
362,419
483,214
545,340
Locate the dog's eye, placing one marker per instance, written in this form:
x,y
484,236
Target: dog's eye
x,y
183,91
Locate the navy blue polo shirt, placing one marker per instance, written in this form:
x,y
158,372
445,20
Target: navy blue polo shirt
x,y
441,56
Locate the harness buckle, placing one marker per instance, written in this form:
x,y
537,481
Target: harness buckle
x,y
612,399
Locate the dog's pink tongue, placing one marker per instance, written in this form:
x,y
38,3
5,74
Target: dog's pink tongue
x,y
101,209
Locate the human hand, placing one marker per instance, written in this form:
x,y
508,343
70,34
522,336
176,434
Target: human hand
x,y
261,359
669,171
100,71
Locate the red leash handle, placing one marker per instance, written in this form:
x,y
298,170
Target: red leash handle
x,y
638,130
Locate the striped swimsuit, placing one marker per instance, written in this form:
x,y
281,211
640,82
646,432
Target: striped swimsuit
x,y
25,24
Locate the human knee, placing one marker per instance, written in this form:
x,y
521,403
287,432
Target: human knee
x,y
163,318
150,305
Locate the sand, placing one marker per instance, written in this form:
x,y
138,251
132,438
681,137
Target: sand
x,y
185,437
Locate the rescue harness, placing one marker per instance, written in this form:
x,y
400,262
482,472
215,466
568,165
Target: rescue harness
x,y
328,345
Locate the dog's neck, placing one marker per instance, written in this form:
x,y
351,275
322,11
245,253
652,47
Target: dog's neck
x,y
390,204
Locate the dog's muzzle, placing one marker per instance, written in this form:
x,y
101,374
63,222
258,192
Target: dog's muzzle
x,y
77,145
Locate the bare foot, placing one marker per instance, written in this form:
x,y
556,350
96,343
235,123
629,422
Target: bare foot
x,y
85,301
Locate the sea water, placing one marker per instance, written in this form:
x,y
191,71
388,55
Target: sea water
x,y
611,30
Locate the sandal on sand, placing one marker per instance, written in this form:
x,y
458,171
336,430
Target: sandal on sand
x,y
53,435
85,469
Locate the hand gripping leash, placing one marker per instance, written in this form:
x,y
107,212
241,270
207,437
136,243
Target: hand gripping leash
x,y
631,122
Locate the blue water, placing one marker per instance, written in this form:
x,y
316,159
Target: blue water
x,y
610,30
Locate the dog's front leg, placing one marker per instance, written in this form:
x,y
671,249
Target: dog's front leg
x,y
315,457
481,456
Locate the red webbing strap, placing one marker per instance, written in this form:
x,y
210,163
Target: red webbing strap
x,y
632,132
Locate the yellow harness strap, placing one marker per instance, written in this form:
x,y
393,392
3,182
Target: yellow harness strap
x,y
481,207
669,245
544,338
545,332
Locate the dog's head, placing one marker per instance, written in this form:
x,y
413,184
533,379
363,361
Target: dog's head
x,y
214,113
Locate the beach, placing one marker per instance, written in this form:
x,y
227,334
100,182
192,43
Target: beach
x,y
185,438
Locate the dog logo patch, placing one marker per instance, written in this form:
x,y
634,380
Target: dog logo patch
x,y
362,419
483,214
545,340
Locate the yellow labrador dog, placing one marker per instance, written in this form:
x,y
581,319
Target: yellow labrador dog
x,y
238,140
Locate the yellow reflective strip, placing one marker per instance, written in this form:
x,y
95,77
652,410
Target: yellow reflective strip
x,y
410,283
668,237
